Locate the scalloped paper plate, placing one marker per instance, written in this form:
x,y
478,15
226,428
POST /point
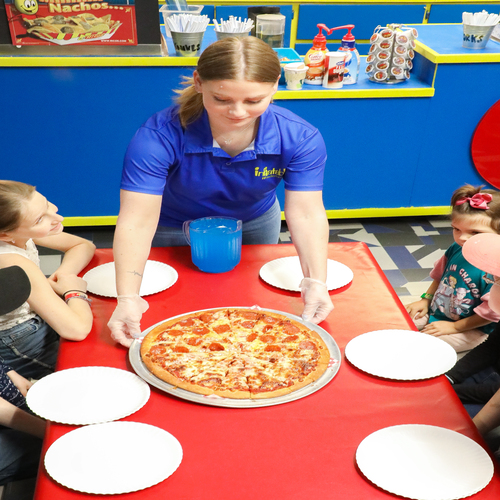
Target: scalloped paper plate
x,y
424,462
88,395
400,354
286,273
157,277
113,458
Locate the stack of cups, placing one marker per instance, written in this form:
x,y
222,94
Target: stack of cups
x,y
333,77
391,54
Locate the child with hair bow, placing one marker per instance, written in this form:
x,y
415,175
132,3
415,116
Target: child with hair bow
x,y
455,307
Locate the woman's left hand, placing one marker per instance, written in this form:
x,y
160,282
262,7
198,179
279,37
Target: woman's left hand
x,y
317,301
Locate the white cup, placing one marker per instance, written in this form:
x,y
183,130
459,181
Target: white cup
x,y
295,74
334,70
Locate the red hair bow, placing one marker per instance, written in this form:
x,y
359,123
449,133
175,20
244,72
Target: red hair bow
x,y
479,200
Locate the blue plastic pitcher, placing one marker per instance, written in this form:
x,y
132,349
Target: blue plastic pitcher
x,y
215,243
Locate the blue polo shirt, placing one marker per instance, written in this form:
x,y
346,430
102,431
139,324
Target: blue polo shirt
x,y
198,179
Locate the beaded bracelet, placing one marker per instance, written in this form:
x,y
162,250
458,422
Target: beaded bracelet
x,y
76,295
68,291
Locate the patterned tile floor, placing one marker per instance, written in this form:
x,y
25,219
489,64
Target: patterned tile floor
x,y
405,248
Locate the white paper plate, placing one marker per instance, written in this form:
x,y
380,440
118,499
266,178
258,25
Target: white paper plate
x,y
424,462
286,273
113,458
88,395
158,276
401,354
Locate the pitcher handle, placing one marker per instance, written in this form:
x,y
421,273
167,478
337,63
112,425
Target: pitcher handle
x,y
185,230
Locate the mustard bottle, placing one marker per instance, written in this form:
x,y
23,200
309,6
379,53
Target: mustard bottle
x,y
315,57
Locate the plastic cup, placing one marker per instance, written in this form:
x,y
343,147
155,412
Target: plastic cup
x,y
295,74
222,34
215,243
187,44
476,37
334,70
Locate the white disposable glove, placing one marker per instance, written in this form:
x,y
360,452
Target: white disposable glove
x,y
317,301
125,322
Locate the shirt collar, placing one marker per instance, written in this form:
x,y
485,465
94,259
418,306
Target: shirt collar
x,y
198,136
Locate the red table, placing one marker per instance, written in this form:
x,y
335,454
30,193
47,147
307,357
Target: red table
x,y
299,450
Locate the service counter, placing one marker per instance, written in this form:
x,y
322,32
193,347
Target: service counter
x,y
394,150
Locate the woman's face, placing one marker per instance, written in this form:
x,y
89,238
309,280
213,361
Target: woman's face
x,y
466,226
39,219
233,104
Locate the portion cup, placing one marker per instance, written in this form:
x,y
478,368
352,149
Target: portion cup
x,y
295,74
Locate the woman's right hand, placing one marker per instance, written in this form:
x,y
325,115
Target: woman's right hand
x,y
418,309
62,283
125,322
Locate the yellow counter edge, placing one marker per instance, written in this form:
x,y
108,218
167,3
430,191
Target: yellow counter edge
x,y
355,213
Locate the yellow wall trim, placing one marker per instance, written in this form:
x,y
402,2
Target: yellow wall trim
x,y
353,213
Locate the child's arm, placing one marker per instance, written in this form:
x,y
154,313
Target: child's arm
x,y
13,417
77,252
489,416
72,321
420,308
438,328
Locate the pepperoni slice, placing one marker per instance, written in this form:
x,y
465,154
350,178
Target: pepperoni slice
x,y
267,339
267,328
272,348
291,338
248,324
157,350
307,344
185,322
250,315
174,333
290,329
270,320
201,330
194,341
215,346
206,318
251,337
180,348
222,328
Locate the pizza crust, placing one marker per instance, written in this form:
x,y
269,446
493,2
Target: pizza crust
x,y
274,363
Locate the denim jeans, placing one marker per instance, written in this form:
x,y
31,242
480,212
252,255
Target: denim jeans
x,y
260,231
19,456
30,348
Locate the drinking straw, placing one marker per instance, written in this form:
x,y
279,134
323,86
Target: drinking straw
x,y
187,23
233,25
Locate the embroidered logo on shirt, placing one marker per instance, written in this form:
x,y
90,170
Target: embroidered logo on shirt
x,y
266,173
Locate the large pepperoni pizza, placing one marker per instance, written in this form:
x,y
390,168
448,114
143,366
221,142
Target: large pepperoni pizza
x,y
235,353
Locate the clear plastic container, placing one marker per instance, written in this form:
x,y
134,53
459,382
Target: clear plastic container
x,y
271,29
168,10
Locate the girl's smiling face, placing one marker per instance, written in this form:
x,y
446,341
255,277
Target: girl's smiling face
x,y
39,218
466,226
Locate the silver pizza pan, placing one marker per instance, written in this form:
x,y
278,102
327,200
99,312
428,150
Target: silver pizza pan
x,y
333,367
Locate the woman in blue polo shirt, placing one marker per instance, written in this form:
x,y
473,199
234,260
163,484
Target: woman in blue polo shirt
x,y
222,150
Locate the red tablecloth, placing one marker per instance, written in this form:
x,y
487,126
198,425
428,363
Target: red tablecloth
x,y
299,450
